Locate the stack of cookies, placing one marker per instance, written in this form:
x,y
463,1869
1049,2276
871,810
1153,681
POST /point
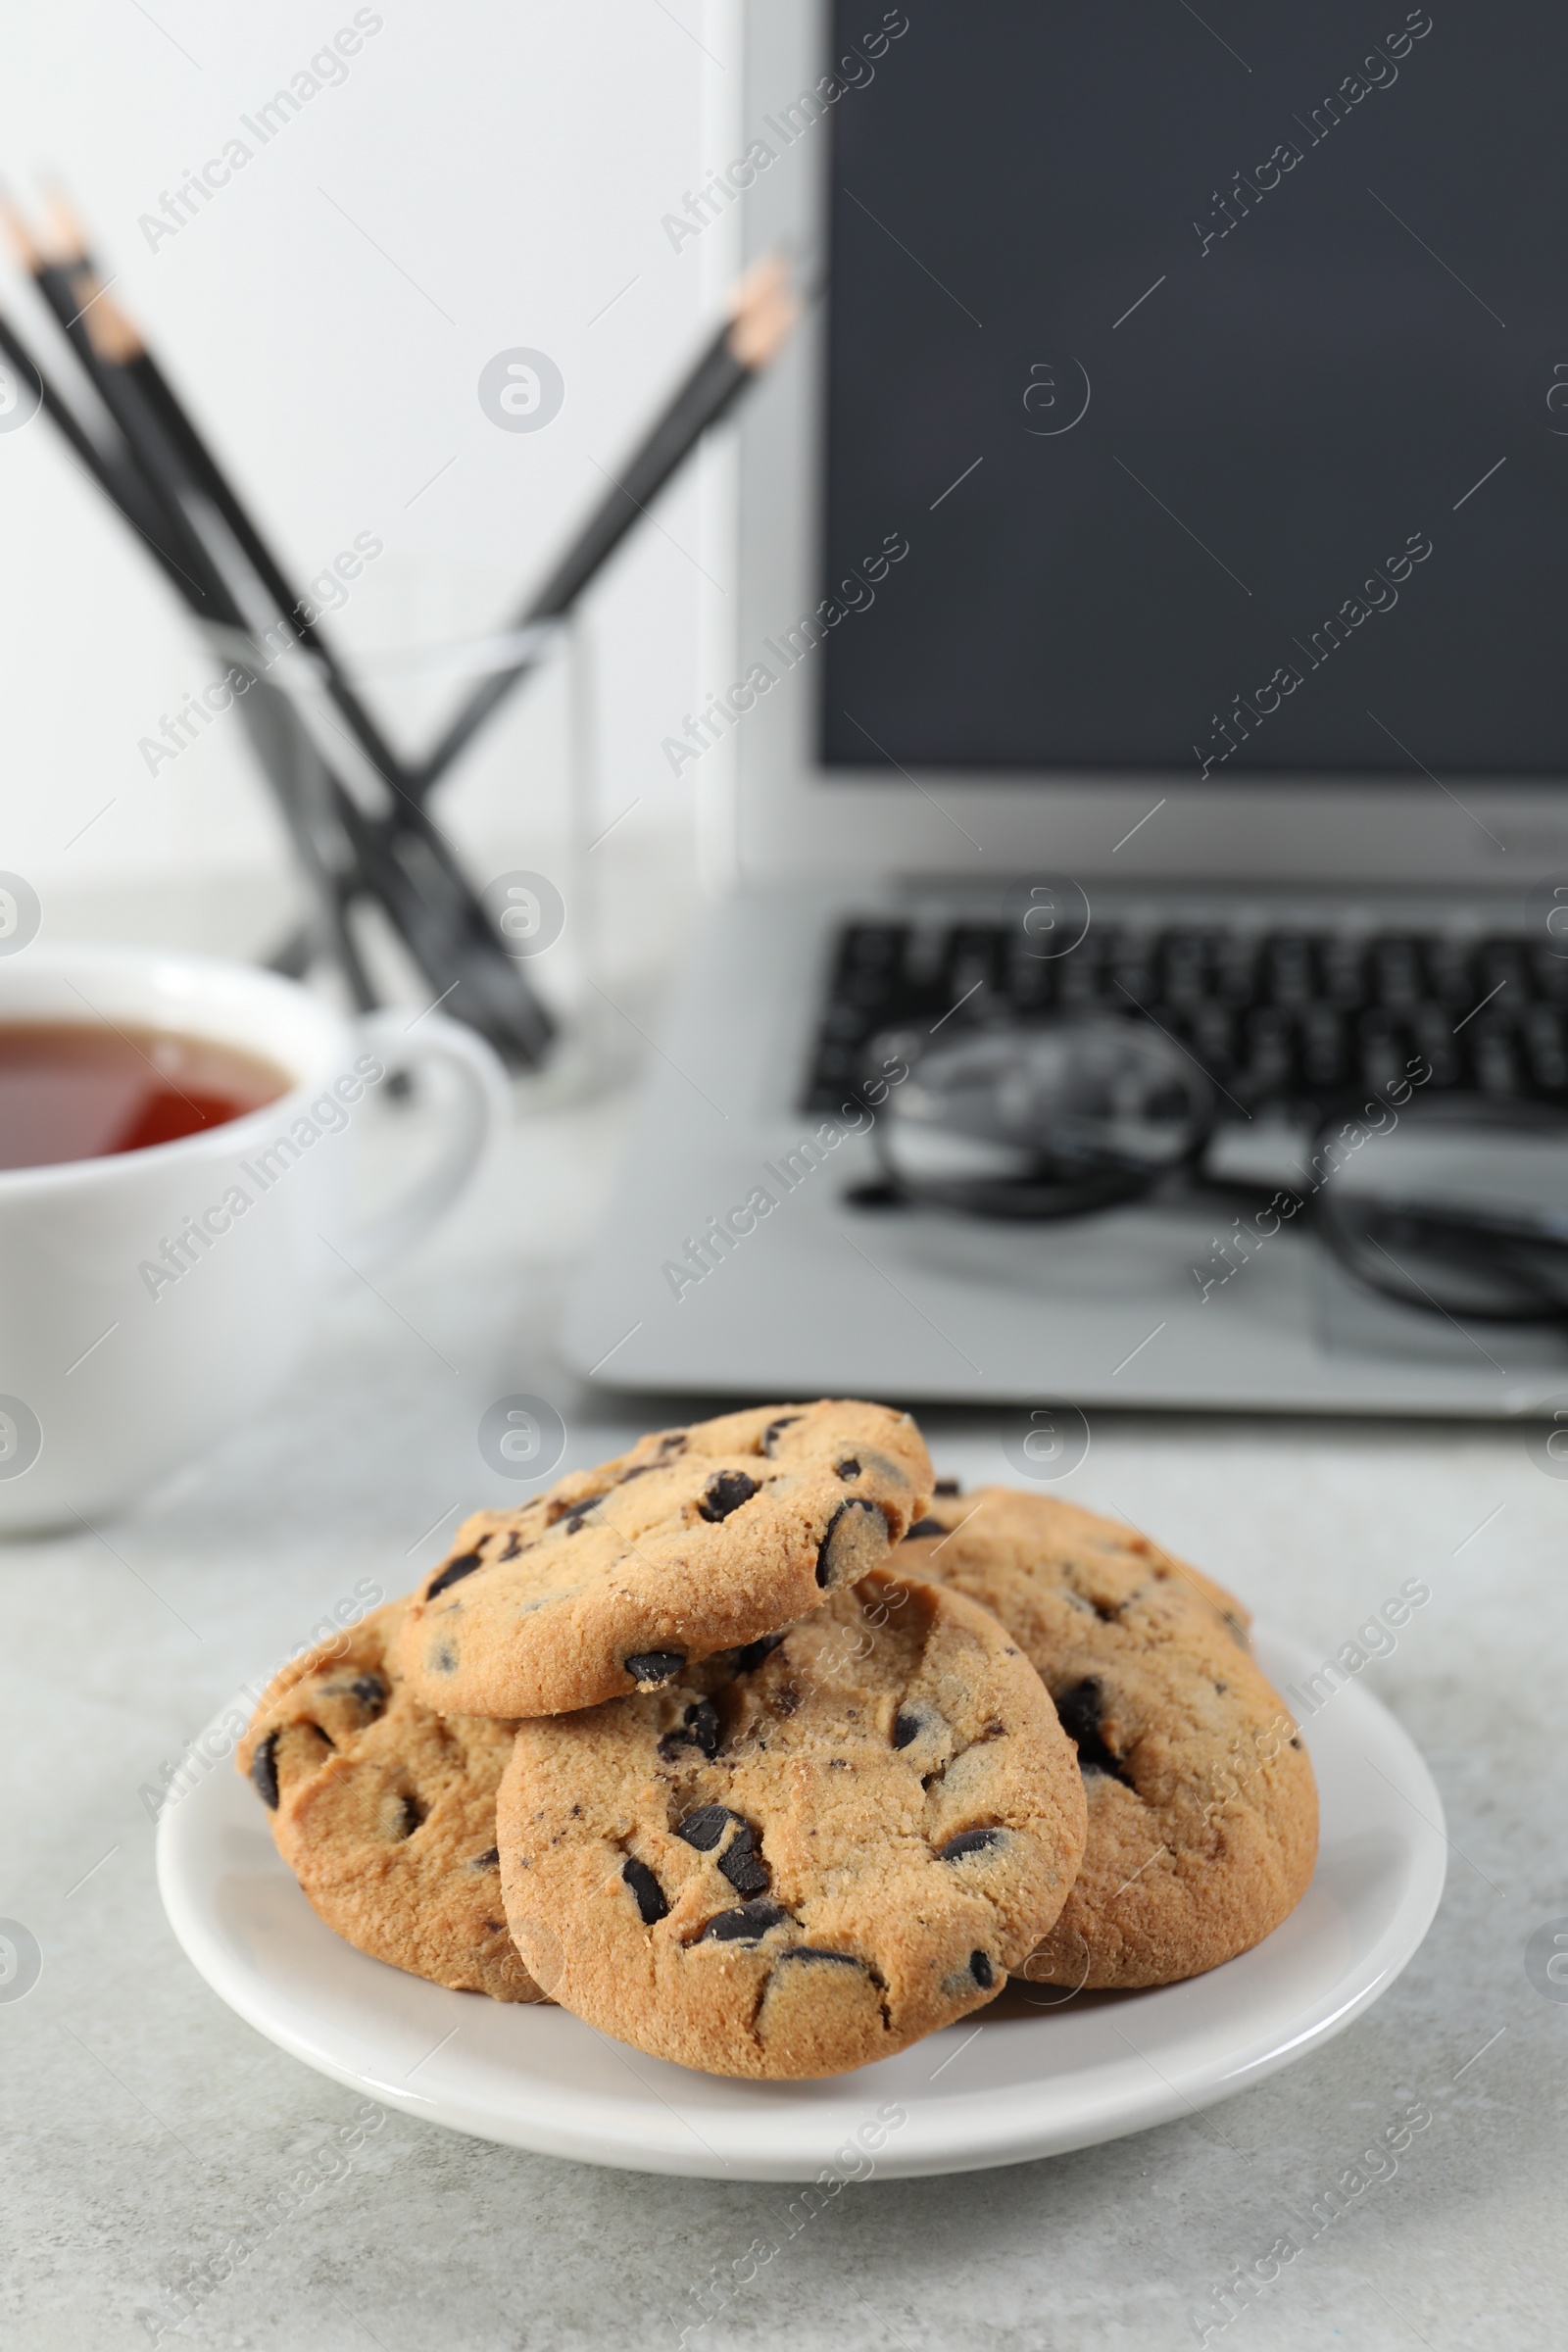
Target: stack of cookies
x,y
762,1751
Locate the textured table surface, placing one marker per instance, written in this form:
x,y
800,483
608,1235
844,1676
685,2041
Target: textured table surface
x,y
146,2127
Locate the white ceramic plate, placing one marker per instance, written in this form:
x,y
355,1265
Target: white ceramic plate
x,y
1007,2084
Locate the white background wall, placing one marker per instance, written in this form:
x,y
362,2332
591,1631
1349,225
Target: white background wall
x,y
485,176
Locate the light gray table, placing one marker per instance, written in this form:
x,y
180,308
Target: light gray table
x,y
146,2127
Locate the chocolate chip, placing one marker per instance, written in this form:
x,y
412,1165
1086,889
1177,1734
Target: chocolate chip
x,y
490,1859
743,1864
411,1811
785,1421
724,1493
1295,1743
645,1887
367,1691
443,1659
744,1925
453,1573
651,1667
1080,1709
706,1826
969,1841
848,1548
263,1772
818,1951
848,1468
699,1728
515,1545
925,1527
947,1486
579,1511
786,1699
745,1870
905,1729
982,1971
703,1729
747,1661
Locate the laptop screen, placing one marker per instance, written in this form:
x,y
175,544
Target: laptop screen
x,y
1197,388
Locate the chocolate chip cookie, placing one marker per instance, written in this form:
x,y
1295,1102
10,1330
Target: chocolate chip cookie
x,y
697,1540
802,1855
1202,1809
386,1813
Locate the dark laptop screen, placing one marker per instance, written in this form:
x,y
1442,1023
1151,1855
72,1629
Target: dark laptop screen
x,y
1215,369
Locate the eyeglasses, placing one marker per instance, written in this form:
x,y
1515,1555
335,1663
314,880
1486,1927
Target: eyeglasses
x,y
1457,1204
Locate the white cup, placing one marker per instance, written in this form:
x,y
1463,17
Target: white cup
x,y
153,1300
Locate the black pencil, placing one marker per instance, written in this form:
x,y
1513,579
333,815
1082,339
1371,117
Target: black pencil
x,y
114,338
762,312
108,471
153,464
395,855
105,453
148,476
397,852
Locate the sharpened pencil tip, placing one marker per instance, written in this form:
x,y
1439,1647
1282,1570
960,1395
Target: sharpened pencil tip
x,y
24,249
65,238
65,245
111,333
763,310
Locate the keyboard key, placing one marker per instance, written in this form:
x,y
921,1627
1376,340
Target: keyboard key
x,y
1432,1027
873,947
1549,973
1503,963
1396,973
1290,969
1546,1028
1080,983
1386,1047
1186,951
972,954
1344,969
1135,983
1236,977
1451,975
1030,982
1325,1065
1214,1031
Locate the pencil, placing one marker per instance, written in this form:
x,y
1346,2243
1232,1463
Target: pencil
x,y
762,312
397,852
103,453
119,342
147,478
151,461
108,471
213,554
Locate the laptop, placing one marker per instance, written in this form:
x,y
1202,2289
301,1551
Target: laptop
x,y
1165,512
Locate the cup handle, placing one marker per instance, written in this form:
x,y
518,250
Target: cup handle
x,y
480,1111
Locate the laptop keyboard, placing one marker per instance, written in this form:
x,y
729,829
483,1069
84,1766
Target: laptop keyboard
x,y
1286,1017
